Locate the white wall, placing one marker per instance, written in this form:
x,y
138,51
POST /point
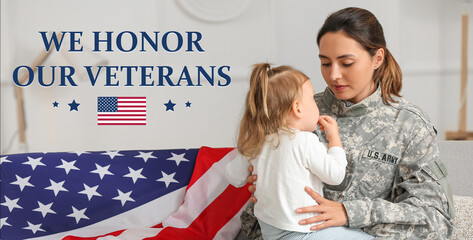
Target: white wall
x,y
430,58
423,35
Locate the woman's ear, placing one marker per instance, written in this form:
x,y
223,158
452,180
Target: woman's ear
x,y
378,58
296,109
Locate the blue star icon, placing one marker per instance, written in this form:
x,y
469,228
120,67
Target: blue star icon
x,y
74,105
188,104
169,106
55,104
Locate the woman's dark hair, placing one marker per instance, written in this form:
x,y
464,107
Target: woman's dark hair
x,y
362,25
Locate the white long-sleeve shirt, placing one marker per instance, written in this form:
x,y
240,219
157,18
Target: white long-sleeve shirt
x,y
299,160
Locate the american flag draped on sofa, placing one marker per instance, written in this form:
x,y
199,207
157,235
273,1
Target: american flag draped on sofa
x,y
154,194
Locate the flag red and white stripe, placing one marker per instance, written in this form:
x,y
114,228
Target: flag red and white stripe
x,y
121,110
211,207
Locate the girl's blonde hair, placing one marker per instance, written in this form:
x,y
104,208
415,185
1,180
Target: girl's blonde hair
x,y
268,103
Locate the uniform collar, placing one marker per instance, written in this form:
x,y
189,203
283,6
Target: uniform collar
x,y
343,108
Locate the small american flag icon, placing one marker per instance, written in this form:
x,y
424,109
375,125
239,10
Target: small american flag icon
x,y
121,110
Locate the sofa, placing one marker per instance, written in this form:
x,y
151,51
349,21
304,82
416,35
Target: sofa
x,y
152,194
458,158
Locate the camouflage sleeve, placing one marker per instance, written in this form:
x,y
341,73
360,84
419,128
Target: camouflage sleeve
x,y
420,206
249,223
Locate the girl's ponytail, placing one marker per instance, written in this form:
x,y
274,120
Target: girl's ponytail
x,y
255,120
258,93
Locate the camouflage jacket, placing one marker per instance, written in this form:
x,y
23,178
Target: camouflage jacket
x,y
396,185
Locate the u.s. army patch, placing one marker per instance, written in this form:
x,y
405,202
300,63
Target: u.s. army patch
x,y
380,156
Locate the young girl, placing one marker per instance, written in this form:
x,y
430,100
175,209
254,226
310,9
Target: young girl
x,y
276,138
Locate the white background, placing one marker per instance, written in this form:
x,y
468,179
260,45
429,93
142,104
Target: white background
x,y
423,35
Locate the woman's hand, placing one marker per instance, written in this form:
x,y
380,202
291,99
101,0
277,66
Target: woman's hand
x,y
252,180
331,213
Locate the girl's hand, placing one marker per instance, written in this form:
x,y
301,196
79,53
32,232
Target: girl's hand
x,y
330,126
252,188
331,213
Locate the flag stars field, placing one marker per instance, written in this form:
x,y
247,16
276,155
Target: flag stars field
x,y
44,209
135,174
80,153
167,179
22,182
90,191
145,156
67,166
102,171
112,154
48,193
34,162
178,158
123,197
34,227
11,204
56,187
3,222
4,160
78,214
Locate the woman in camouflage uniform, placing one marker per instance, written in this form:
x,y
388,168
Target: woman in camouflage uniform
x,y
396,185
